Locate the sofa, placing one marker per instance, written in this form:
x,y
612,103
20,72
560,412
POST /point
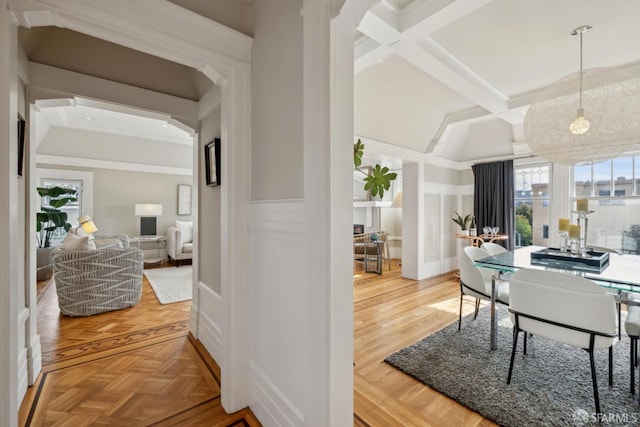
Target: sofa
x,y
180,241
97,276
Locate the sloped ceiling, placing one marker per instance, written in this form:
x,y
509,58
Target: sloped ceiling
x,y
450,79
454,78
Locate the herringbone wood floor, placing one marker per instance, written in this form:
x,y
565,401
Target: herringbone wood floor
x,y
133,367
140,366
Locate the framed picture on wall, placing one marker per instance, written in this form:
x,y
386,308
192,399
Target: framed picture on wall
x,y
212,163
184,199
21,130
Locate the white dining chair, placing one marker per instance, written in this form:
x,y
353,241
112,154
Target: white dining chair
x,y
493,248
565,308
632,328
476,281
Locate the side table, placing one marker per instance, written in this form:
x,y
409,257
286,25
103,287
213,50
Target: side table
x,y
158,243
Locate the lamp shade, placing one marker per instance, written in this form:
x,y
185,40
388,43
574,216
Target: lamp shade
x,y
610,106
148,209
86,224
397,202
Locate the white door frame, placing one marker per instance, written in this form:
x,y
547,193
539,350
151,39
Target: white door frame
x,y
224,56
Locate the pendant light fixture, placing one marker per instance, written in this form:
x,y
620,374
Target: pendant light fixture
x,y
580,125
585,117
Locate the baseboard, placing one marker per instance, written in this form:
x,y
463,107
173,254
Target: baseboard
x,y
208,328
34,356
23,374
268,403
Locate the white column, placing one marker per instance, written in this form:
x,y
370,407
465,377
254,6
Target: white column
x,y
235,131
412,220
561,200
10,258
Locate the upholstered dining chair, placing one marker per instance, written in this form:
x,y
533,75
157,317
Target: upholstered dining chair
x,y
582,314
476,281
632,328
493,248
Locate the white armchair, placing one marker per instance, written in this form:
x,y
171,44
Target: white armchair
x,y
180,241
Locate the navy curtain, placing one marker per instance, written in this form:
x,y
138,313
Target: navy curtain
x,y
493,198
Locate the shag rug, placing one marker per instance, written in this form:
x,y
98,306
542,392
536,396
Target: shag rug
x,y
171,284
550,386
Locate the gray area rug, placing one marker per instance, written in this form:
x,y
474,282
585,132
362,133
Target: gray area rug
x,y
171,284
550,386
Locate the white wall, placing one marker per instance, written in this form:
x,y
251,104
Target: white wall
x,y
12,266
276,83
430,195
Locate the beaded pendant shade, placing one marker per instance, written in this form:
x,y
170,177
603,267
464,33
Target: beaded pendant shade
x,y
585,117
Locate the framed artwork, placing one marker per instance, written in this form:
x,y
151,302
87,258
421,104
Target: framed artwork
x,y
184,199
21,130
212,163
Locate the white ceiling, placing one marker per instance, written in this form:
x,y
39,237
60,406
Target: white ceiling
x,y
454,78
114,122
447,79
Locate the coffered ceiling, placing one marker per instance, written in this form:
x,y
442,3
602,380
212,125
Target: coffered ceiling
x,y
454,79
441,79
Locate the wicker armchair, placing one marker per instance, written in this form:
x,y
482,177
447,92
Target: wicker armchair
x,y
96,281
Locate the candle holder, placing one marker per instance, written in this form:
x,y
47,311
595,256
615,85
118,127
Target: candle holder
x,y
563,240
583,222
574,246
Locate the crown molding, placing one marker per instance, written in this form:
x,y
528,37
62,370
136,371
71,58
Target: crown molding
x,y
187,38
44,159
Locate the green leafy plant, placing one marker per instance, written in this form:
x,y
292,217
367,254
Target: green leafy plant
x,y
463,222
50,218
380,178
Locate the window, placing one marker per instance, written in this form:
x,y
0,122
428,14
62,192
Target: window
x,y
72,209
532,204
612,189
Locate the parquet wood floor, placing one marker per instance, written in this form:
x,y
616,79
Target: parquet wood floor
x,y
140,366
133,367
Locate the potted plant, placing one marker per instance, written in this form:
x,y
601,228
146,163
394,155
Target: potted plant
x,y
49,219
463,222
379,179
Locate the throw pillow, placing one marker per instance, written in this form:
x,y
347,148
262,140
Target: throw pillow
x,y
72,242
187,230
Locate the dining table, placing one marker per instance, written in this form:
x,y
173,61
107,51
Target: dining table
x,y
621,275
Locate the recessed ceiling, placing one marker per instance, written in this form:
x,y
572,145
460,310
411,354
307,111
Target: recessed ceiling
x,y
115,122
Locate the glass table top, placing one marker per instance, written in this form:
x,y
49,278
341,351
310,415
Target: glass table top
x,y
622,273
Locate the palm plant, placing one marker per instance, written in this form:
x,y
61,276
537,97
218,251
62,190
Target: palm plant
x,y
50,218
463,222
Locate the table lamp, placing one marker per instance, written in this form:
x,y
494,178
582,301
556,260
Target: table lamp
x,y
87,224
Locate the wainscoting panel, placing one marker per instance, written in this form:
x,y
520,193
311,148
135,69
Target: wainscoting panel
x,y
209,330
278,309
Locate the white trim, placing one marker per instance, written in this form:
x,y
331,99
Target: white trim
x,y
109,164
224,56
409,155
181,36
439,188
269,404
11,258
209,329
